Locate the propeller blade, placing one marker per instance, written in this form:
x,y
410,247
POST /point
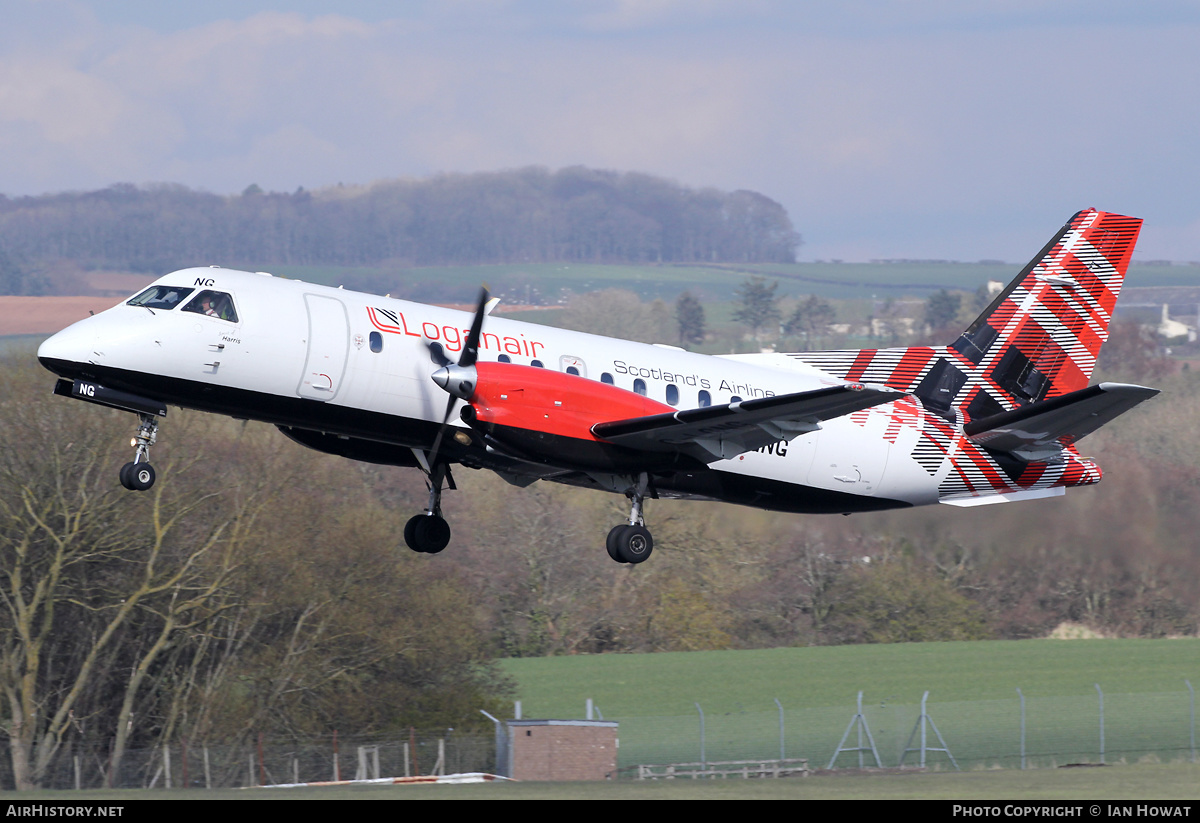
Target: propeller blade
x,y
457,380
437,354
470,350
437,441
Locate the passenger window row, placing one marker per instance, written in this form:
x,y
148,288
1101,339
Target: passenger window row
x,y
703,397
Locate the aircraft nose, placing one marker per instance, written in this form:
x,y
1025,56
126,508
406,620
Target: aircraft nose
x,y
74,344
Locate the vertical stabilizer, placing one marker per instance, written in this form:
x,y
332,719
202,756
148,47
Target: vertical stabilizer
x,y
1041,335
998,411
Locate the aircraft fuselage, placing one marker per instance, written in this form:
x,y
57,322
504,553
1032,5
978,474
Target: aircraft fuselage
x,y
346,370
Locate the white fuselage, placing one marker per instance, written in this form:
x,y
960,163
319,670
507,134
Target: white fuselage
x,y
357,365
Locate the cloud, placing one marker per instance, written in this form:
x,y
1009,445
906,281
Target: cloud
x,y
930,129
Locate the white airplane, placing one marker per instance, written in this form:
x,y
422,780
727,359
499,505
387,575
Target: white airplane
x,y
994,417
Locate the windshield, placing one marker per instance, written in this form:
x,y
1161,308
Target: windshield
x,y
214,304
161,297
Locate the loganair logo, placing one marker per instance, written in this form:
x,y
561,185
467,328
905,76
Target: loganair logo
x,y
451,337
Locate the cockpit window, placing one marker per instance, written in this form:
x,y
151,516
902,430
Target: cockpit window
x,y
214,304
161,297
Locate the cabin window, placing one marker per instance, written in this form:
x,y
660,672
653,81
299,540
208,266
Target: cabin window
x,y
376,342
672,394
735,399
504,358
705,398
639,386
214,304
572,370
537,364
605,377
161,297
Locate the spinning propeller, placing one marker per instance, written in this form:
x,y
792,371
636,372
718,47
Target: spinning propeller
x,y
458,379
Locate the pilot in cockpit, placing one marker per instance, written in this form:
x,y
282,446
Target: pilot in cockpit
x,y
214,304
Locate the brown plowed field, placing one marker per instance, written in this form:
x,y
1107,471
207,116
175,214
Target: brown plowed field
x,y
46,315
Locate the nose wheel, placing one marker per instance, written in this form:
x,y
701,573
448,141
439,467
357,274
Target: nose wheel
x,y
631,542
139,475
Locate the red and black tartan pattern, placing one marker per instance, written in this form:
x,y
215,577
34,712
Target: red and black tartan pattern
x,y
1039,338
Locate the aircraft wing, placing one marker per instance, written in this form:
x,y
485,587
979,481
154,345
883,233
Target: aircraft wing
x,y
726,431
1039,430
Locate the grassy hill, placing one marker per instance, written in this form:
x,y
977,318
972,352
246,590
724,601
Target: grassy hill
x,y
669,683
973,700
548,281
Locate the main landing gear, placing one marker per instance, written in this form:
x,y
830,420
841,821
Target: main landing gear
x,y
632,543
139,475
429,533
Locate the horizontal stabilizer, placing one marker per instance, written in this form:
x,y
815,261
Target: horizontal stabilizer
x,y
1038,431
714,432
971,500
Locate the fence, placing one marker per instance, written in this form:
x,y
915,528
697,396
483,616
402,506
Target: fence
x,y
265,762
1026,731
1051,731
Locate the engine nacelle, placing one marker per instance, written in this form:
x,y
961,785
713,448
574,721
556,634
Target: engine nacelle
x,y
547,416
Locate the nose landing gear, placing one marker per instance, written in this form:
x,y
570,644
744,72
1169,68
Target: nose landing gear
x,y
139,475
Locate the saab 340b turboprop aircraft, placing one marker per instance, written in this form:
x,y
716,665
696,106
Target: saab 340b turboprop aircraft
x,y
993,417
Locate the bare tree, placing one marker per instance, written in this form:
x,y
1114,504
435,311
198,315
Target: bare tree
x,y
758,307
95,581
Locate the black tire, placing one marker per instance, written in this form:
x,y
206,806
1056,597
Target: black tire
x,y
635,544
124,475
139,475
434,533
410,532
427,533
613,541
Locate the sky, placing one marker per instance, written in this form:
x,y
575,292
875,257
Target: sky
x,y
931,129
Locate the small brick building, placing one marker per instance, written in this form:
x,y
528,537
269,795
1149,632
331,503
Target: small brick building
x,y
563,749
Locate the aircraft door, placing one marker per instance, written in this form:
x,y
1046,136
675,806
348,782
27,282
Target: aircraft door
x,y
328,347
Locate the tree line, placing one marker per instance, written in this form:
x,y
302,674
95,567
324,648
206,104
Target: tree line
x,y
264,588
525,215
259,589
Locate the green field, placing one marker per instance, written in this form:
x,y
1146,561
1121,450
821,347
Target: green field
x,y
666,684
973,700
17,344
547,282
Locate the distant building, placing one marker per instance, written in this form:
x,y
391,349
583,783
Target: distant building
x,y
1171,329
882,327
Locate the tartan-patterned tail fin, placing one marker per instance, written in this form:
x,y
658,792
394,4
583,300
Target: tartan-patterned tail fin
x,y
1041,335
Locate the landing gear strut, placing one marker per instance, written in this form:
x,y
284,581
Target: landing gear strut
x,y
139,475
429,533
632,543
